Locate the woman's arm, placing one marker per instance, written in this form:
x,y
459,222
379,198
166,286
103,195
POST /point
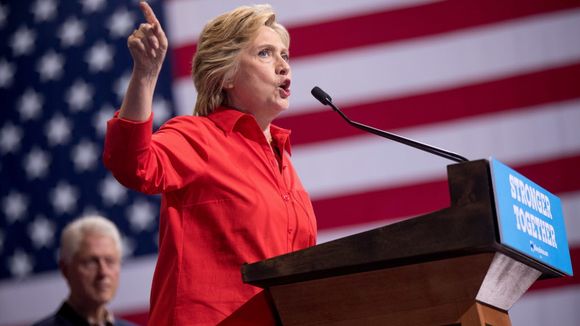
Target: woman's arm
x,y
128,151
148,46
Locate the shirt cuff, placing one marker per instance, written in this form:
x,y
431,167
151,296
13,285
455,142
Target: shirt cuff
x,y
124,134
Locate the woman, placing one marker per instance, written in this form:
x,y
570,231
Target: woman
x,y
229,192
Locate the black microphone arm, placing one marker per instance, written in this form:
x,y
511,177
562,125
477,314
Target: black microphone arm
x,y
325,99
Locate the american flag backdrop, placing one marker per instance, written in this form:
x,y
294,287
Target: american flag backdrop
x,y
481,78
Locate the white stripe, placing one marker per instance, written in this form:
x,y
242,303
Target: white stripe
x,y
184,95
29,300
185,19
135,284
571,210
344,231
427,64
548,307
350,165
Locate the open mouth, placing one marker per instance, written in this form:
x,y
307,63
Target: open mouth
x,y
285,88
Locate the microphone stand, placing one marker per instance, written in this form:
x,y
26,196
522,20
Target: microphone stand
x,y
325,99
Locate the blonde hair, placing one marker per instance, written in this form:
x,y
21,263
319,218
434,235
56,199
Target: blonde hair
x,y
73,234
220,42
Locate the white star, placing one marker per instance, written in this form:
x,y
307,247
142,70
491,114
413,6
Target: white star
x,y
41,231
141,215
112,192
20,264
127,246
90,6
10,136
44,10
71,32
121,23
162,110
99,57
22,41
30,104
100,119
64,198
58,130
3,14
36,163
7,71
50,66
85,155
79,95
14,206
121,85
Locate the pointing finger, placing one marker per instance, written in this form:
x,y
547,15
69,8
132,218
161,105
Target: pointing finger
x,y
148,13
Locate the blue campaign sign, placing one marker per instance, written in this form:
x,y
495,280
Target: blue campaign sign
x,y
530,218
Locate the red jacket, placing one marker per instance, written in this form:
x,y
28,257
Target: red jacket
x,y
227,199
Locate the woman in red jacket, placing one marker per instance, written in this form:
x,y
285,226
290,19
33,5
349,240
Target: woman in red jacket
x,y
230,194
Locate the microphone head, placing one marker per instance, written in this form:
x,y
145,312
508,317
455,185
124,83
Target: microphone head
x,y
321,95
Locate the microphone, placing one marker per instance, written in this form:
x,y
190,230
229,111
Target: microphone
x,y
325,99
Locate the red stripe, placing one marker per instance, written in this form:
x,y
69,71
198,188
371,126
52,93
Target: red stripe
x,y
562,281
181,60
395,25
514,93
137,317
557,176
381,204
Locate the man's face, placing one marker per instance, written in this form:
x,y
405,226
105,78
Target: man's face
x,y
93,273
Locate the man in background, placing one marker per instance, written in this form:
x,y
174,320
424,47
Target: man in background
x,y
90,261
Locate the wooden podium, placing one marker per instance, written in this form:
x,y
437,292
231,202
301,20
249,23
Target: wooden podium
x,y
443,268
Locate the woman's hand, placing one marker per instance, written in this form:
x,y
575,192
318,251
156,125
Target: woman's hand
x,y
148,44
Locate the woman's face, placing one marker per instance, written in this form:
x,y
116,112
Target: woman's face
x,y
261,85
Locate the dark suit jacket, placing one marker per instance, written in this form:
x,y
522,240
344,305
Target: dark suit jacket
x,y
66,316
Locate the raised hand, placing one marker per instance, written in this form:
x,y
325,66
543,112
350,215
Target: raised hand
x,y
148,44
